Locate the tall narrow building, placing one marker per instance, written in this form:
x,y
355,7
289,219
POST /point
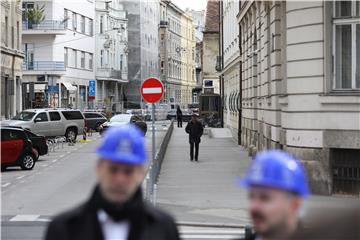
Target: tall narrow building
x,y
143,50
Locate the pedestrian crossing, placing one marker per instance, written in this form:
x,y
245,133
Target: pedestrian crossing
x,y
213,233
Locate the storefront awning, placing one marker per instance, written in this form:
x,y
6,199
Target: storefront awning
x,y
69,87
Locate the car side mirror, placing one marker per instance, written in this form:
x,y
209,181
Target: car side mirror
x,y
37,120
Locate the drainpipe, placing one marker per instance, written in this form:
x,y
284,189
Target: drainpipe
x,y
240,90
221,77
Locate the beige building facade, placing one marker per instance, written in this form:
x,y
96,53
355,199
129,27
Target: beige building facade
x,y
300,86
177,54
11,58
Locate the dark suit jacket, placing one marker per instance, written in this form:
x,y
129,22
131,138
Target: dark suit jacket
x,y
82,224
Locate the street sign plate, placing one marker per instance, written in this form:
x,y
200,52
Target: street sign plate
x,y
152,90
91,89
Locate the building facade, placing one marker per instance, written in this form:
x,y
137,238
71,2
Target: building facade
x,y
188,48
59,53
230,62
11,58
210,78
111,55
298,80
143,47
199,23
177,54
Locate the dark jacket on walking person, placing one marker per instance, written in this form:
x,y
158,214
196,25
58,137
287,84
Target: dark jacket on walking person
x,y
82,223
195,130
179,116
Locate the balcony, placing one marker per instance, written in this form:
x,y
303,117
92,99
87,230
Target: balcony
x,y
111,74
42,67
45,27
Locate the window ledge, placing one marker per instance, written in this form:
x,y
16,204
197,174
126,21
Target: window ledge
x,y
340,98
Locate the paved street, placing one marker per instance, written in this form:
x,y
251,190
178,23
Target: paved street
x,y
58,181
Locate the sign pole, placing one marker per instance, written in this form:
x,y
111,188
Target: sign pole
x,y
153,131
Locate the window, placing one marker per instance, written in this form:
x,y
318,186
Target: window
x,y
8,135
66,18
346,44
75,57
6,30
91,27
41,117
72,115
101,24
17,35
66,57
74,21
82,24
101,57
90,61
54,116
82,59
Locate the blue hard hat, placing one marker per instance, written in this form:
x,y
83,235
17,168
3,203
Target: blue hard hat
x,y
277,169
123,144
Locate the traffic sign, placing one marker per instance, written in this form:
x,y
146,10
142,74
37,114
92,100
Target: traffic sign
x,y
152,90
92,89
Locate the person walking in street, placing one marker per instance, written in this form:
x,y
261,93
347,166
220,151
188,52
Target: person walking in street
x,y
277,185
195,130
116,209
179,117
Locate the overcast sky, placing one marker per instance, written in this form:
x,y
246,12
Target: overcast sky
x,y
192,4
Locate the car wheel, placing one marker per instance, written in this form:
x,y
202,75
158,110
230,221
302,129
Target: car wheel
x,y
27,162
98,127
71,134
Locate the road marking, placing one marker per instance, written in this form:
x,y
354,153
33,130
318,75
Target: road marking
x,y
22,181
5,185
54,160
68,152
61,156
24,218
209,233
43,220
44,165
20,177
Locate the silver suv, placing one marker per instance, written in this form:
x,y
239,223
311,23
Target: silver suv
x,y
50,122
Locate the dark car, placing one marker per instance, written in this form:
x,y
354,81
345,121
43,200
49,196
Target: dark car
x,y
94,120
39,142
17,149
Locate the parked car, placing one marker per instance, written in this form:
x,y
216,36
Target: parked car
x,y
39,142
17,149
94,120
123,119
50,122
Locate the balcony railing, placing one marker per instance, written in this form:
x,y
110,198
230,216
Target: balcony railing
x,y
44,66
44,25
110,73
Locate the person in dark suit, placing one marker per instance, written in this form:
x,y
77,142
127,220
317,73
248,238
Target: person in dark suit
x,y
116,209
195,130
179,116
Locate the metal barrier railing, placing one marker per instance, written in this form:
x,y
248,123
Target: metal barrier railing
x,y
54,143
155,167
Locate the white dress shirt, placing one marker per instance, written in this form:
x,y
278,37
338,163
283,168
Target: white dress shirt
x,y
113,230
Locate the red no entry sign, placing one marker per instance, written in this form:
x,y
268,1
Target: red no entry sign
x,y
152,90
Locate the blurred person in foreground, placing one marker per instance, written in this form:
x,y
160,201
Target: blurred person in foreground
x,y
277,185
116,209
